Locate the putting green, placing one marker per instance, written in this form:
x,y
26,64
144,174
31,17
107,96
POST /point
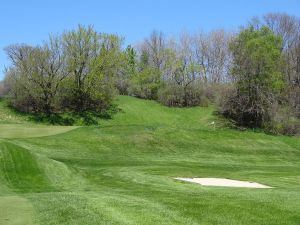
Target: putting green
x,y
28,131
15,210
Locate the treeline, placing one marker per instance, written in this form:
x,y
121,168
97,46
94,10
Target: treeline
x,y
74,71
252,76
181,71
266,75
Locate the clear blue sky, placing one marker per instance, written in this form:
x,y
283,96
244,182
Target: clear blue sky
x,y
31,21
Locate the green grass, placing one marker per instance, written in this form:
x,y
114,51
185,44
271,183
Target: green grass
x,y
21,131
121,172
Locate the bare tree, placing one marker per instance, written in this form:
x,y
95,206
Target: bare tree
x,y
212,54
155,46
38,72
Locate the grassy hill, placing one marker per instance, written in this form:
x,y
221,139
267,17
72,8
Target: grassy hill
x,y
121,172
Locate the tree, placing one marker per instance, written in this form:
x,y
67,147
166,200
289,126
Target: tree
x,y
2,89
37,73
100,83
75,71
288,28
181,74
92,60
6,85
256,71
128,71
155,47
81,48
147,80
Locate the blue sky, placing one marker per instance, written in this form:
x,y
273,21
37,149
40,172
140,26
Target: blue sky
x,y
31,21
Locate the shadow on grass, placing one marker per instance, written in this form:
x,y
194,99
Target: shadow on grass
x,y
86,118
232,124
74,118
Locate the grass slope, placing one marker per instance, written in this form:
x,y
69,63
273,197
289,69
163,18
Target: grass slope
x,y
122,171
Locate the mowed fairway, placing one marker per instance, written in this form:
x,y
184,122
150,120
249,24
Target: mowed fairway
x,y
122,172
27,131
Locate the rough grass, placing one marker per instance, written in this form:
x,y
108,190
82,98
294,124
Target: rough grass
x,y
121,172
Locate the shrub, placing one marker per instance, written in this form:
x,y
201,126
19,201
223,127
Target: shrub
x,y
283,121
180,96
145,84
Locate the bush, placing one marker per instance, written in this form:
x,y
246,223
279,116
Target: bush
x,y
179,96
290,128
243,110
145,84
283,121
278,118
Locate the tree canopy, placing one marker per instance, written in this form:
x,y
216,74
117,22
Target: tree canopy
x,y
253,76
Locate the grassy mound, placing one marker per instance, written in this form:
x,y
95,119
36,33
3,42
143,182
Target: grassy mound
x,y
121,172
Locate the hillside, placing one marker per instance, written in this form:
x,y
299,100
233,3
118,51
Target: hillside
x,y
121,172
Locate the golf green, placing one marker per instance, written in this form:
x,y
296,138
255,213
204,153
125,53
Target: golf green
x,y
122,171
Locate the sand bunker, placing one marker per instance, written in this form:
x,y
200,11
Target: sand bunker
x,y
222,182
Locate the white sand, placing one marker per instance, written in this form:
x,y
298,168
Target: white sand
x,y
222,182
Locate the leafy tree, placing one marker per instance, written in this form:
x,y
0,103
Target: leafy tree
x,y
100,83
92,61
257,75
81,48
146,82
129,70
288,28
131,60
